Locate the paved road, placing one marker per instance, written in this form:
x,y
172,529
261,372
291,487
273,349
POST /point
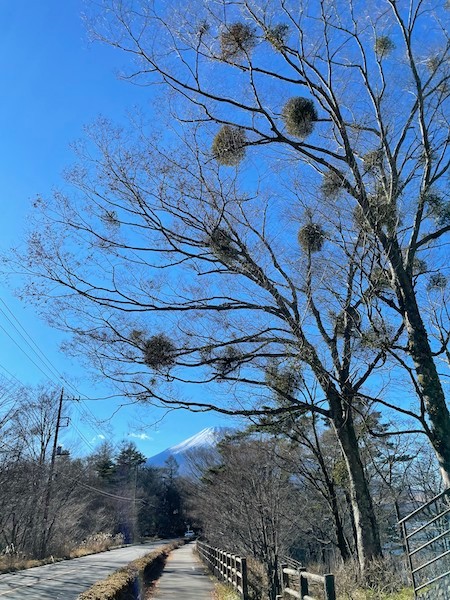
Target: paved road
x,y
65,580
184,577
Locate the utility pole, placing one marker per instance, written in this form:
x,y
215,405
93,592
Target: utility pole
x,y
48,492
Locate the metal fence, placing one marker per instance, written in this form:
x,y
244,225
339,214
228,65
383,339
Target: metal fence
x,y
426,532
295,584
226,566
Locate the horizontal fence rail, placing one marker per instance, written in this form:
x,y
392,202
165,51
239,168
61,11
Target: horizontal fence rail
x,y
295,583
226,566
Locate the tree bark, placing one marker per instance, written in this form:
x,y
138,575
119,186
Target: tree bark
x,y
334,508
428,379
338,527
368,545
430,386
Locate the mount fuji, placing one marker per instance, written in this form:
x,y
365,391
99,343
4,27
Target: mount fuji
x,y
206,439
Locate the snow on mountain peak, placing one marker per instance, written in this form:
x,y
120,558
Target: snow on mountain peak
x,y
206,437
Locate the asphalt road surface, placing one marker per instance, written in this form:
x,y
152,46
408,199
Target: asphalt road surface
x,y
184,577
65,580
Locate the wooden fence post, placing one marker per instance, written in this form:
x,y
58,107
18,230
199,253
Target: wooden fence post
x,y
304,589
284,577
330,592
244,580
226,566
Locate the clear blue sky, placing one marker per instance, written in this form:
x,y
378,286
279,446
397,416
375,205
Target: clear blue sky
x,y
53,82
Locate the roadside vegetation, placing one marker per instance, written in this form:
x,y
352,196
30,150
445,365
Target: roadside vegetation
x,y
76,506
133,580
224,592
275,232
100,542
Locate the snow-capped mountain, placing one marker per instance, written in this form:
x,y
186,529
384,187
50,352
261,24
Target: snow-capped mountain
x,y
205,439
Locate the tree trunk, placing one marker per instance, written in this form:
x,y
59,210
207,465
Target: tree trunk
x,y
368,545
334,508
427,375
273,576
338,527
431,388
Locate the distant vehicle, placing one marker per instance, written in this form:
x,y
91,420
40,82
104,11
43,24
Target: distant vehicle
x,y
189,535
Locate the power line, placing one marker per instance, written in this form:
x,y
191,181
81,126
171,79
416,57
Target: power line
x,y
102,492
51,372
86,441
31,343
34,347
26,354
47,363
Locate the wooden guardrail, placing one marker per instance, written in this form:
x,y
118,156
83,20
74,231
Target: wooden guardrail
x,y
300,579
226,566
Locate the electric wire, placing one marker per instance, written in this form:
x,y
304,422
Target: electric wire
x,y
99,491
82,436
29,342
26,354
53,374
33,346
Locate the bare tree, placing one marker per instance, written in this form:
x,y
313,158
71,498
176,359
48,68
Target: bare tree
x,y
246,503
233,247
286,234
353,63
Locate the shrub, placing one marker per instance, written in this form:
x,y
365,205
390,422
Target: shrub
x,y
221,244
229,360
439,207
385,580
373,160
384,214
98,542
120,585
277,35
331,185
283,380
437,281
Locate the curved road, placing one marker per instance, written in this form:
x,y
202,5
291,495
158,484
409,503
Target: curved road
x,y
65,580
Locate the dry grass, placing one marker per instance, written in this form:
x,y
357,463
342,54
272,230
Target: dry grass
x,y
125,583
257,580
11,564
385,580
224,592
359,594
99,542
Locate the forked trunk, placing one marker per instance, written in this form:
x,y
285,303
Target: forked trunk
x,y
368,545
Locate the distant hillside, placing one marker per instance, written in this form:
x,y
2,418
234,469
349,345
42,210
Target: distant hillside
x,y
205,439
